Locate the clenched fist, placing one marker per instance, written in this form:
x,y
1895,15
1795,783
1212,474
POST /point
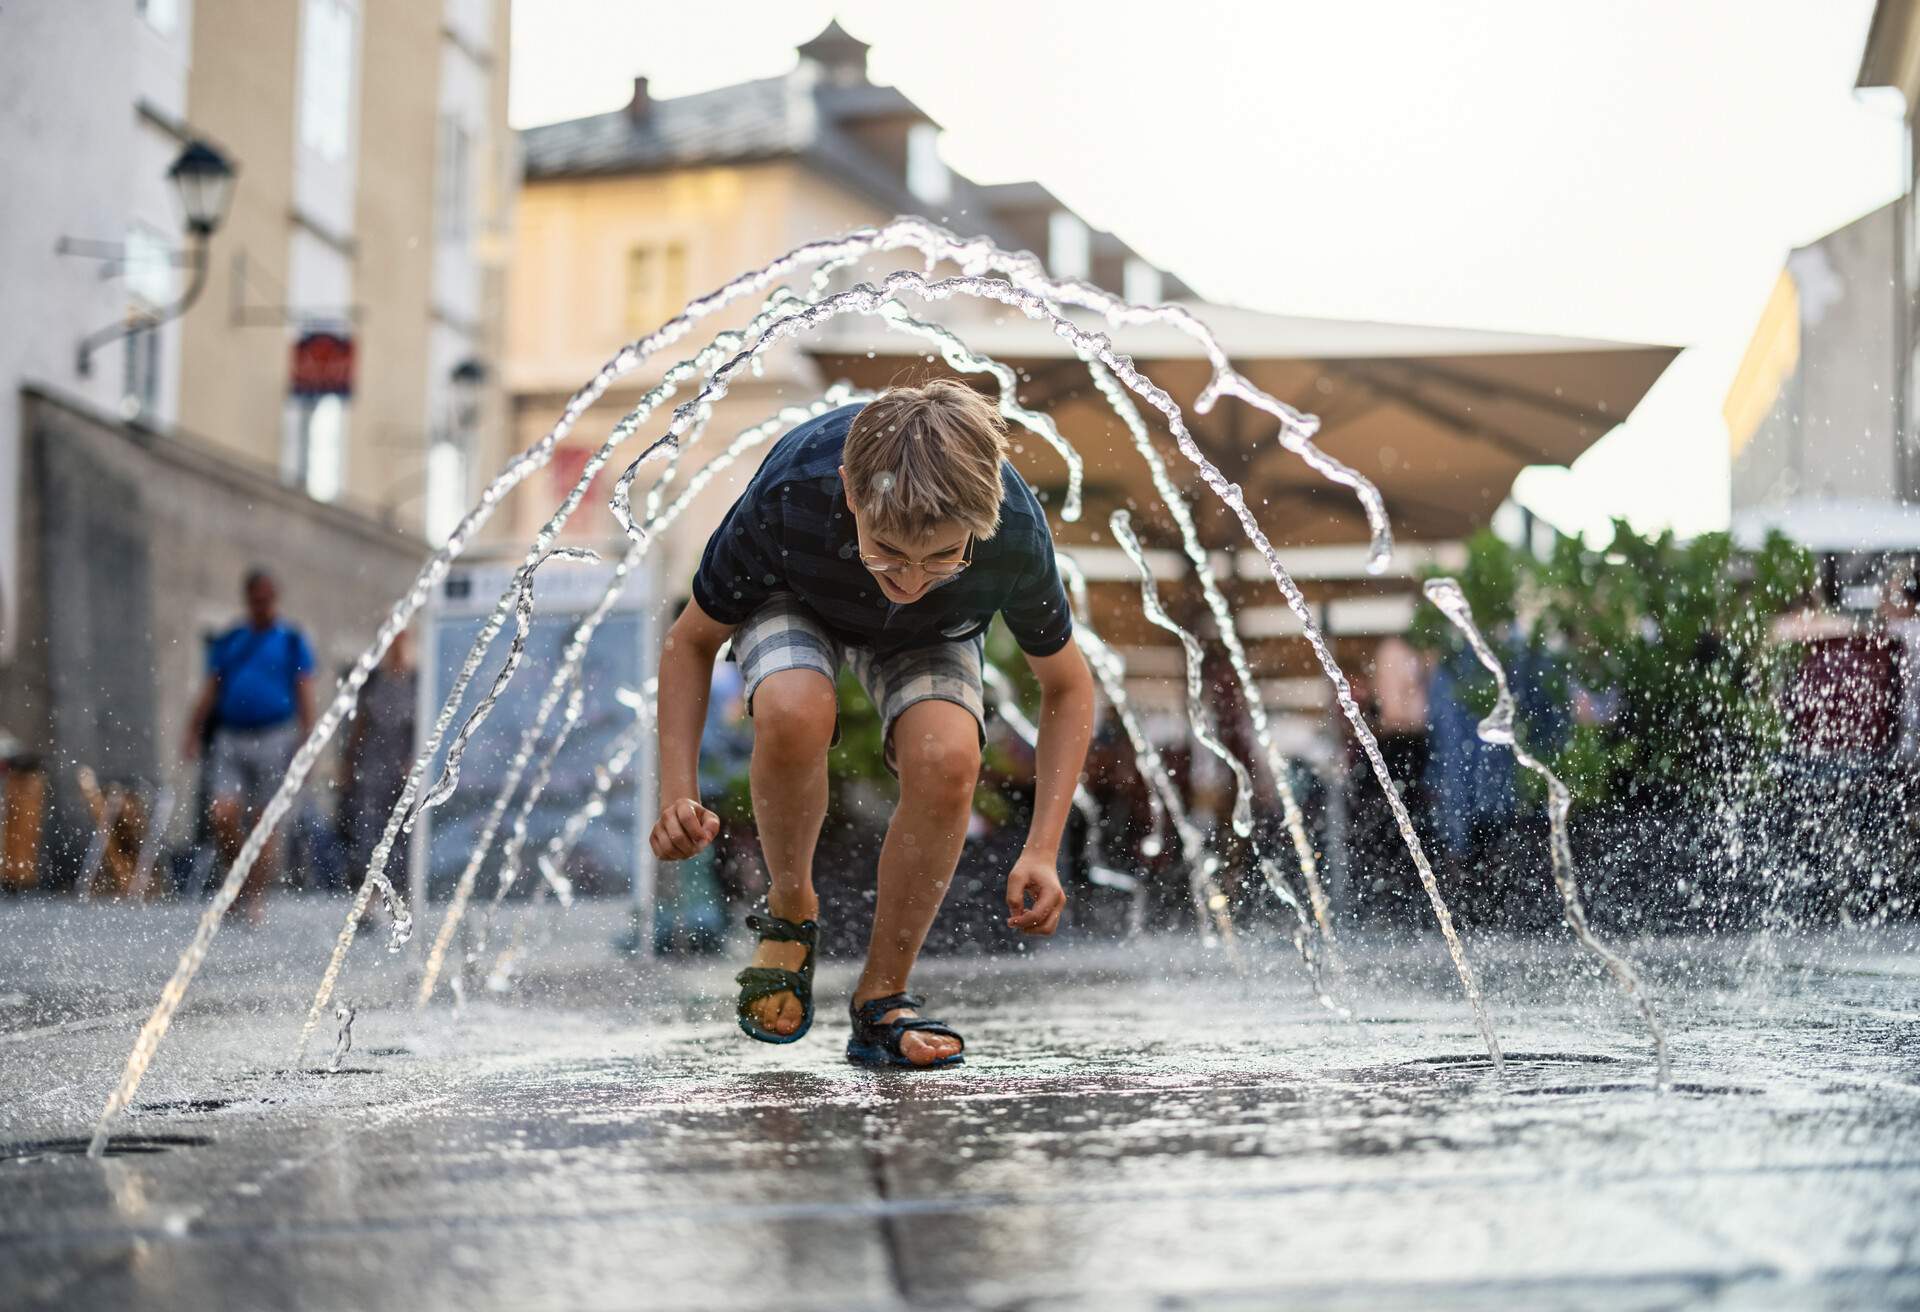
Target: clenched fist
x,y
684,827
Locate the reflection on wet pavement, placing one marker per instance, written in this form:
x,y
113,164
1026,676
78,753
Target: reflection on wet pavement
x,y
1133,1129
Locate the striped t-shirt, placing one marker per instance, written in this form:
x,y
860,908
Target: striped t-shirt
x,y
791,531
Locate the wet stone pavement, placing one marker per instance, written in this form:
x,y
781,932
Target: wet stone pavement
x,y
1134,1128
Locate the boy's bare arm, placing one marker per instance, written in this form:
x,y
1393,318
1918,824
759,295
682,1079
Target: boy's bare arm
x,y
686,676
1066,727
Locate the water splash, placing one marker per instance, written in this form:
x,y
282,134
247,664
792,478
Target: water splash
x,y
962,359
1209,899
1198,712
343,1037
1498,729
867,299
642,534
516,651
1121,403
1206,733
1006,704
977,257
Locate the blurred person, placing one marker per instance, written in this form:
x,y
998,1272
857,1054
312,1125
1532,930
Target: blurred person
x,y
886,537
256,707
378,753
1399,686
1900,611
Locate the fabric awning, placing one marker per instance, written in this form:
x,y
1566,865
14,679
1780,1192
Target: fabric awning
x,y
1441,419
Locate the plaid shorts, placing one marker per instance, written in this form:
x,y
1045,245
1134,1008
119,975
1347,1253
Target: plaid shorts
x,y
784,634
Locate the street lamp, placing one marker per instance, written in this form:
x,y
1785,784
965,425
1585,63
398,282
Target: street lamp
x,y
203,179
467,378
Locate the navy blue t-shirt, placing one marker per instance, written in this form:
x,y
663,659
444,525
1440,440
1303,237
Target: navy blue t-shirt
x,y
258,670
791,531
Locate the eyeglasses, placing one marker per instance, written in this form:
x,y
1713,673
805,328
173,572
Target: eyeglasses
x,y
933,569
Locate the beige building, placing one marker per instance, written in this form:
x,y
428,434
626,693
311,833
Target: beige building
x,y
375,184
142,472
622,217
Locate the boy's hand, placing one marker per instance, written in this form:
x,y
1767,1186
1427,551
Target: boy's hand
x,y
1034,877
684,828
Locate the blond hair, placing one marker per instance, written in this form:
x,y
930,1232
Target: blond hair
x,y
920,457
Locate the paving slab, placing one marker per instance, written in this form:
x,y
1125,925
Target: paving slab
x,y
1136,1126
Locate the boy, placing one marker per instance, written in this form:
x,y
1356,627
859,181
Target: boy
x,y
888,537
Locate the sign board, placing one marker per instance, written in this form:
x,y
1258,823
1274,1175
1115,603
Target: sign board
x,y
322,364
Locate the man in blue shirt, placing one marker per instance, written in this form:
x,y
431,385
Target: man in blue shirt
x,y
252,715
884,537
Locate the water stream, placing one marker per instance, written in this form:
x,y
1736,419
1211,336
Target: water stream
x,y
1022,285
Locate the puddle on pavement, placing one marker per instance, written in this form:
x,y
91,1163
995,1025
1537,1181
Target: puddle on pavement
x,y
184,1106
121,1145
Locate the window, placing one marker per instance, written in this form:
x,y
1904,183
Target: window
x,y
326,78
140,386
161,15
656,285
927,176
446,489
1140,283
316,453
148,272
1069,248
149,267
455,200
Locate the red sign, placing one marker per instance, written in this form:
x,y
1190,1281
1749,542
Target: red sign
x,y
323,364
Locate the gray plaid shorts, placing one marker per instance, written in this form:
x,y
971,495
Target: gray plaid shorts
x,y
784,634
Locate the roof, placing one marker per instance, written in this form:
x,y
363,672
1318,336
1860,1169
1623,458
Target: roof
x,y
752,120
824,113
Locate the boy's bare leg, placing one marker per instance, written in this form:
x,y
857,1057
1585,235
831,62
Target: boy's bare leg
x,y
937,751
793,716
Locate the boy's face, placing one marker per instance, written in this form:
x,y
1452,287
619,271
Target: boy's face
x,y
908,569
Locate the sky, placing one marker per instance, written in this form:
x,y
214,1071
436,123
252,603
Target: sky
x,y
1624,169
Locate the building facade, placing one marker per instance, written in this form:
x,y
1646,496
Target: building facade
x,y
1813,414
1892,59
1823,416
622,217
323,404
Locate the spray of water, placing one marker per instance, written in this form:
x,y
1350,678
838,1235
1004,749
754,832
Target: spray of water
x,y
642,536
1198,711
1498,728
1200,716
552,861
1209,900
722,344
826,254
1229,634
343,1037
1031,292
516,652
867,299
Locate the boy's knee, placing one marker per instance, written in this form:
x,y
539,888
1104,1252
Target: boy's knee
x,y
938,757
793,716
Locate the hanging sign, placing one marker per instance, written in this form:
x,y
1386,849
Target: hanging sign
x,y
323,364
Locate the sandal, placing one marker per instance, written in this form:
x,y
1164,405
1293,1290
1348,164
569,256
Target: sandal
x,y
877,1043
757,982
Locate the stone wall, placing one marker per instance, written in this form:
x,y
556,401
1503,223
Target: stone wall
x,y
134,545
